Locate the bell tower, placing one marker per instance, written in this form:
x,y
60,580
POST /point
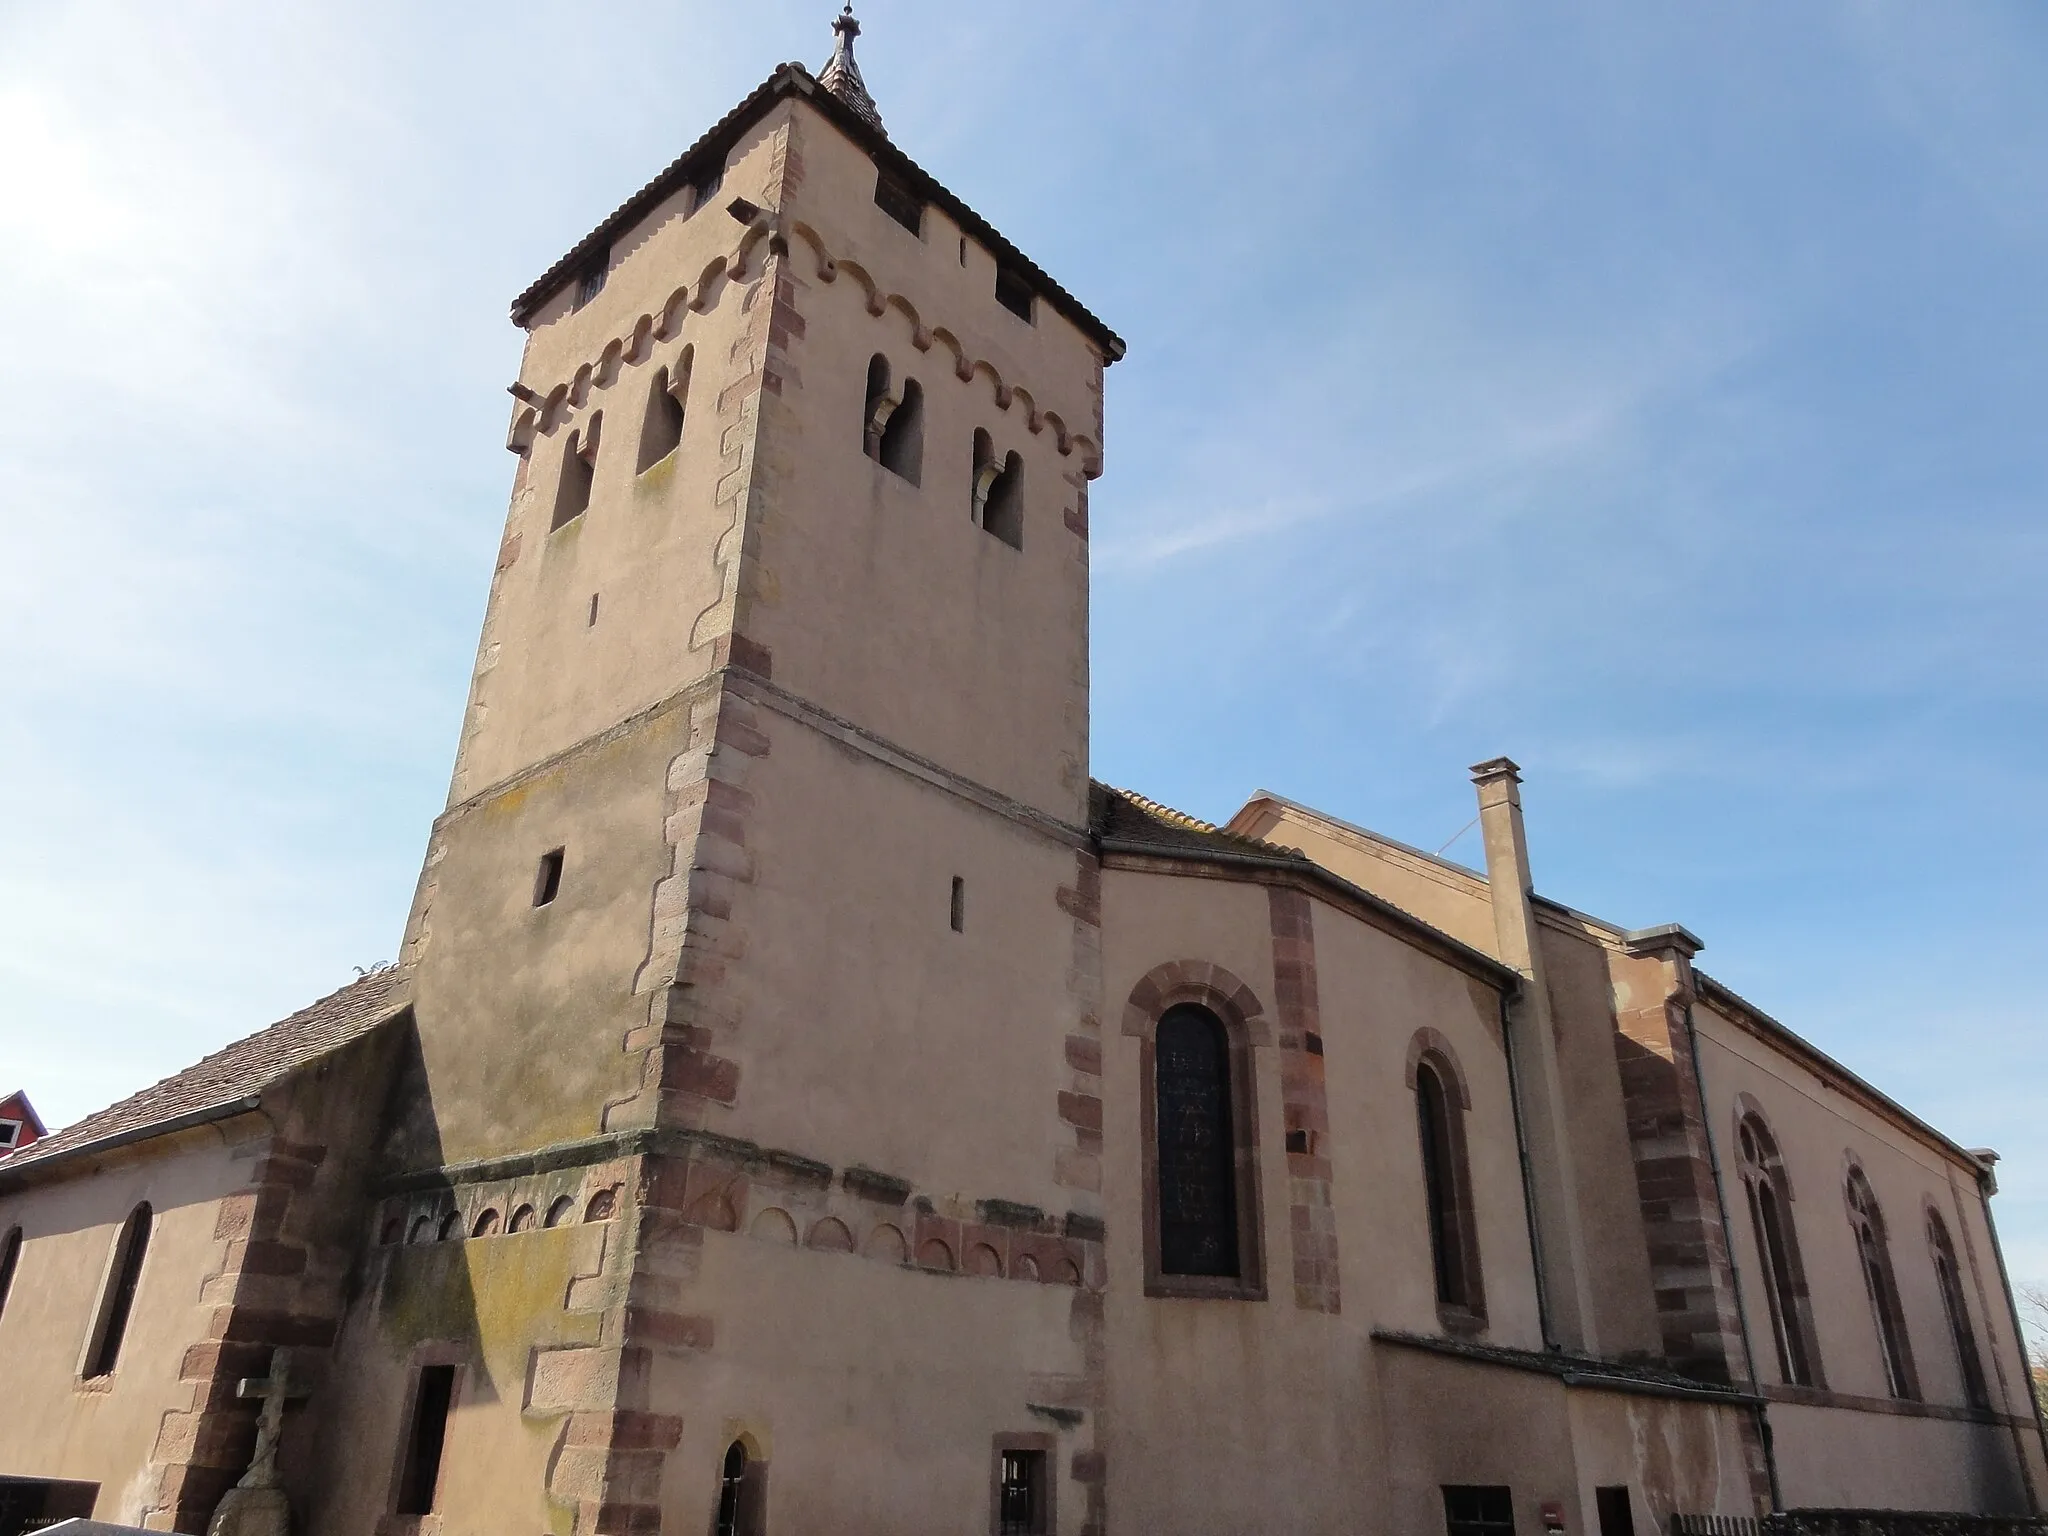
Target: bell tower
x,y
764,886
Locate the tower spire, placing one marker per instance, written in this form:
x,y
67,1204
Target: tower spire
x,y
842,76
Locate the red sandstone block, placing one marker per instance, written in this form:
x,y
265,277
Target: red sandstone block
x,y
712,1077
673,1330
1084,1055
1089,1466
1083,1110
621,1519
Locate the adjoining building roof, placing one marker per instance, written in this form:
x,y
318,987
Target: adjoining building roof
x,y
20,1097
1712,991
1123,822
708,155
226,1081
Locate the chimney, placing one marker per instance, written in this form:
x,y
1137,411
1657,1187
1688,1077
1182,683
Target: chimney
x,y
1539,1080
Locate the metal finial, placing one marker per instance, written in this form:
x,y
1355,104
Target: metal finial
x,y
842,76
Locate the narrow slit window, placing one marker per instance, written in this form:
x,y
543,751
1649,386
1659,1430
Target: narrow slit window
x,y
591,622
432,1399
661,430
547,880
123,1276
1013,292
579,472
901,204
1020,1494
732,1483
901,445
959,910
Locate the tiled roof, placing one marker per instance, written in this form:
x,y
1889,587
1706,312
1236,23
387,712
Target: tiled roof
x,y
1122,816
708,155
235,1071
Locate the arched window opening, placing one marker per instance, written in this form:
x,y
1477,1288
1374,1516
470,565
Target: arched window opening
x,y
998,491
1197,1151
522,1220
1441,1186
10,1260
118,1301
1777,1256
879,404
1946,1278
486,1223
901,447
562,1210
661,430
450,1228
731,1484
1873,1257
579,471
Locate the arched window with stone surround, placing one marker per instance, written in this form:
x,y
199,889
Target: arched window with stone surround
x,y
1196,1145
1956,1310
1198,1130
1874,1259
1440,1104
1768,1194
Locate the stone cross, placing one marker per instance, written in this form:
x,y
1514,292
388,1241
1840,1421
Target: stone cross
x,y
274,1390
256,1506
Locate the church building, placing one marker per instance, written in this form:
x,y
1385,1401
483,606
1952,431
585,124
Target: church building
x,y
806,1101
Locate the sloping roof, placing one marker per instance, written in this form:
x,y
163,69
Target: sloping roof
x,y
1123,822
1729,1002
709,152
230,1075
1123,816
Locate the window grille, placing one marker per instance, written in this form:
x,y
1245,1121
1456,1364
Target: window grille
x,y
1020,1497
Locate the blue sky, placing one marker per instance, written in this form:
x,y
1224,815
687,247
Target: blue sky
x,y
1649,392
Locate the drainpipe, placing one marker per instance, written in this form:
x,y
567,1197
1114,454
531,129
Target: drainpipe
x,y
1761,1407
1987,1185
1507,1035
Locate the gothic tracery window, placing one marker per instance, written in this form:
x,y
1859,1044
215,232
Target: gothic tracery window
x,y
1873,1257
1948,1280
1777,1248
